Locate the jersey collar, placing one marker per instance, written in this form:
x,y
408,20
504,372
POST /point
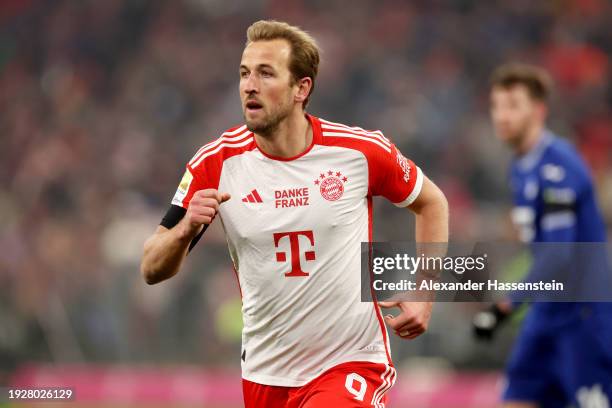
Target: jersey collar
x,y
315,124
527,161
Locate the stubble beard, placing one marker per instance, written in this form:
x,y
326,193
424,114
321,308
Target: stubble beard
x,y
516,137
268,125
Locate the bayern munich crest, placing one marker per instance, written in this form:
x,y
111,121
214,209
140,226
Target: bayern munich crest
x,y
331,184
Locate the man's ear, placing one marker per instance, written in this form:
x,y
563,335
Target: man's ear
x,y
542,110
304,85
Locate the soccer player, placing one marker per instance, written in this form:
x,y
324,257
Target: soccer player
x,y
563,355
294,195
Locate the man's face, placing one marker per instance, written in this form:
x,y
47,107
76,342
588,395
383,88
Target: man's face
x,y
266,89
513,113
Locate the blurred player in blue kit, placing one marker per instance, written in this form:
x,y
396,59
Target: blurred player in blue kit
x,y
563,355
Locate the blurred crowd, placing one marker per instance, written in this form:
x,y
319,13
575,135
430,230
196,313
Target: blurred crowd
x,y
103,102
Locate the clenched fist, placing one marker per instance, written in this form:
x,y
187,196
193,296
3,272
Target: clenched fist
x,y
202,209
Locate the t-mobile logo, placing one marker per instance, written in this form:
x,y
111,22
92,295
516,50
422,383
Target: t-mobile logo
x,y
294,245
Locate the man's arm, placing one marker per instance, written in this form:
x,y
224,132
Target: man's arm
x,y
558,223
166,249
431,210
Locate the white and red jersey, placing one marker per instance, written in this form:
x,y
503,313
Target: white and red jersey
x,y
294,229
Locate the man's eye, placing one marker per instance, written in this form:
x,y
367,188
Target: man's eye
x,y
244,74
266,74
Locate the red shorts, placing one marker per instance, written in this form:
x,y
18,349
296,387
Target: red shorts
x,y
354,384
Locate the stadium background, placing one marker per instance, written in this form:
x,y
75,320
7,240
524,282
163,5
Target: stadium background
x,y
103,102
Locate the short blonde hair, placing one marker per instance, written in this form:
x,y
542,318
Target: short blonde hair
x,y
304,60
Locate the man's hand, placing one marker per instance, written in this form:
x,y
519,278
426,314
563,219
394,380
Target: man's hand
x,y
413,319
165,250
202,209
487,322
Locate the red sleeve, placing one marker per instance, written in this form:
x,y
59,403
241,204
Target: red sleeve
x,y
204,175
394,177
186,188
204,169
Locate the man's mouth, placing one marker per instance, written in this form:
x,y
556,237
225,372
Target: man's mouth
x,y
253,106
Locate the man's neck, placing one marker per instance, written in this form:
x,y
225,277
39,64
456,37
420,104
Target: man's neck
x,y
291,138
534,134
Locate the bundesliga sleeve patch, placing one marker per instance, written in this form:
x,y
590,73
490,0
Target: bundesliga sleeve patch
x,y
183,188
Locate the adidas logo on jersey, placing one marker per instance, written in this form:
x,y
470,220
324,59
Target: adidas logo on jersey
x,y
253,197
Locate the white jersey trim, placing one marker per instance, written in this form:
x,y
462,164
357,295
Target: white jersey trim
x,y
370,139
388,379
418,185
240,132
559,220
373,135
354,129
221,146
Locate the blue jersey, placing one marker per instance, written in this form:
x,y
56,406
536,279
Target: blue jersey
x,y
564,353
554,196
555,201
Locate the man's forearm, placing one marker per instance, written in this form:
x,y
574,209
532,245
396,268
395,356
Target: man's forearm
x,y
432,221
431,210
165,250
164,253
431,232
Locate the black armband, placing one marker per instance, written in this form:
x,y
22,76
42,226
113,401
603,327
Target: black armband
x,y
558,200
173,216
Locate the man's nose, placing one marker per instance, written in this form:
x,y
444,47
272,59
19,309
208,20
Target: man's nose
x,y
251,84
